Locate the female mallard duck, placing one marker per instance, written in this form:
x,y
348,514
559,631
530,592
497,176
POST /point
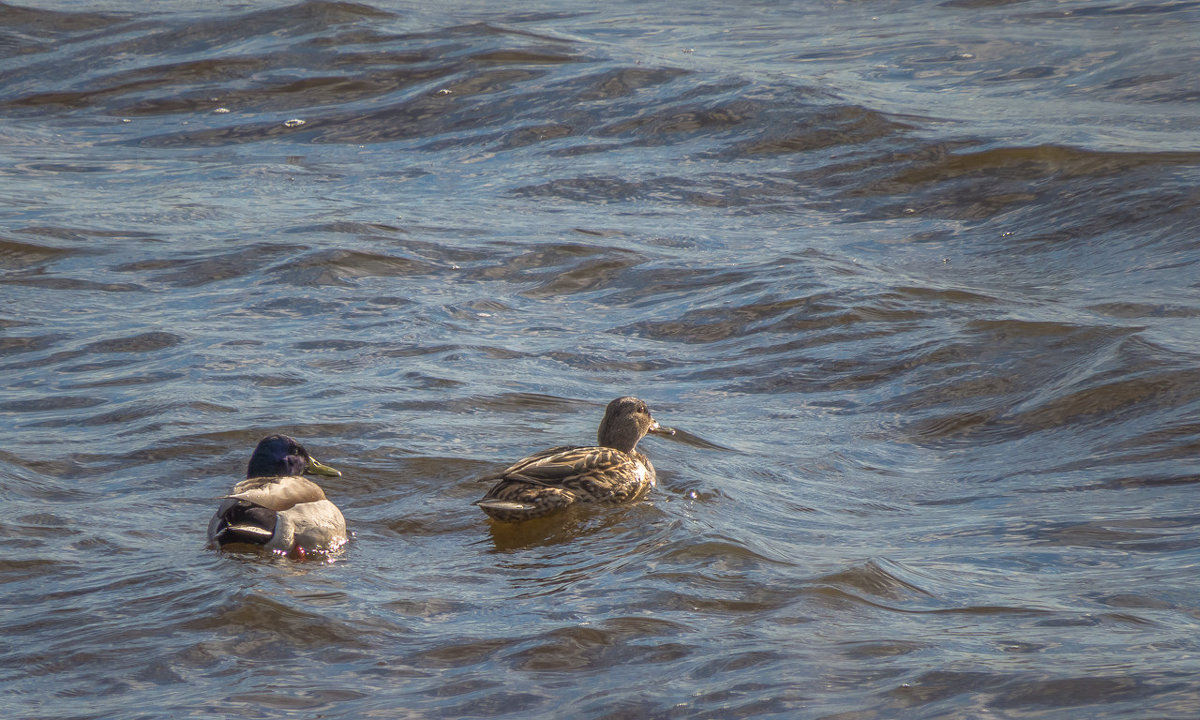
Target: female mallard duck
x,y
611,472
277,508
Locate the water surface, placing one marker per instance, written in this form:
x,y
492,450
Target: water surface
x,y
916,282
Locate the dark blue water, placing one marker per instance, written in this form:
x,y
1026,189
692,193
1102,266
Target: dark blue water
x,y
915,281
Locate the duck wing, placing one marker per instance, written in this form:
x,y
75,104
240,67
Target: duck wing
x,y
278,493
523,462
563,466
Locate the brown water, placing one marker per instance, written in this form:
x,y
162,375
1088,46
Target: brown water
x,y
917,282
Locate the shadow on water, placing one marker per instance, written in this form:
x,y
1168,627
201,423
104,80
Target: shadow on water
x,y
575,524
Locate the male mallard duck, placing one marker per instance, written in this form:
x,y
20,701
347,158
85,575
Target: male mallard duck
x,y
611,472
277,508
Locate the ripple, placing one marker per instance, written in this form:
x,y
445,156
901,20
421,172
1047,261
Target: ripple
x,y
337,266
874,578
582,648
270,621
52,404
31,343
140,343
210,268
14,254
929,350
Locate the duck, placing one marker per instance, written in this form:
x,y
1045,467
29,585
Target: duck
x,y
276,508
610,472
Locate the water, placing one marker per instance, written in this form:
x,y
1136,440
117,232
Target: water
x,y
916,282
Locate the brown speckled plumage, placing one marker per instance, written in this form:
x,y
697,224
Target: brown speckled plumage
x,y
611,472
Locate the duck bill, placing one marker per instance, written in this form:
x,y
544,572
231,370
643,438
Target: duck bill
x,y
659,429
316,467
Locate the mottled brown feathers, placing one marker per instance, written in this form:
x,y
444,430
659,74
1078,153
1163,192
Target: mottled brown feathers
x,y
550,480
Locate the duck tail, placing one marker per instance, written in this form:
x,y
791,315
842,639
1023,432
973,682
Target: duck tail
x,y
246,523
512,511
